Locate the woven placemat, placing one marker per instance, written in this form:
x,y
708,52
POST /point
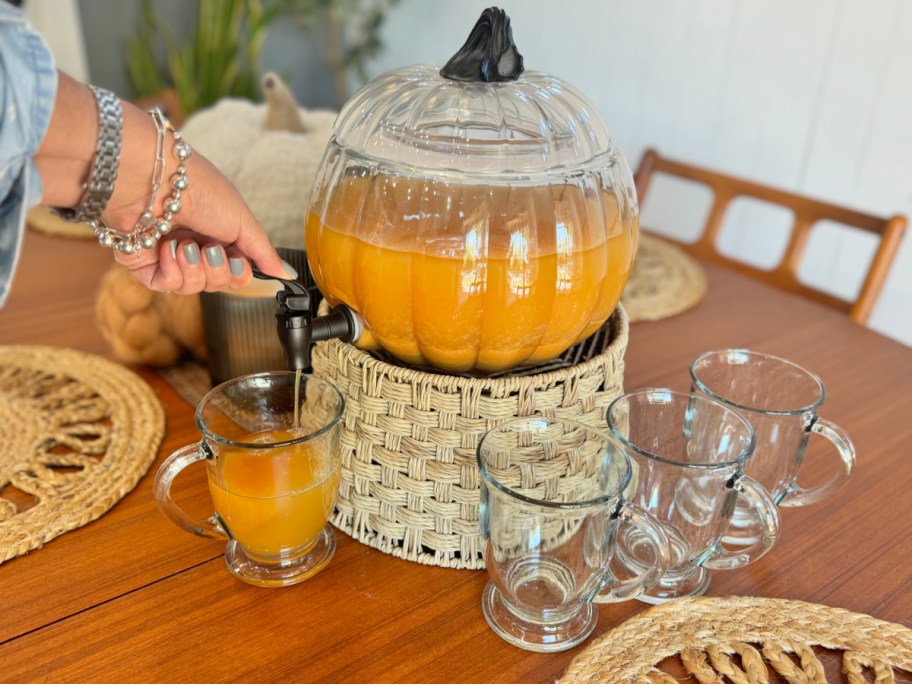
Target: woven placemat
x,y
41,219
79,433
665,281
744,640
190,379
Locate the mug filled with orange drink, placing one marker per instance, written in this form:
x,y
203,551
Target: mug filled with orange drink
x,y
270,442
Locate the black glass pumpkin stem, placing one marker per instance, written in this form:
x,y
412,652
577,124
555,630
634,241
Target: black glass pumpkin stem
x,y
489,55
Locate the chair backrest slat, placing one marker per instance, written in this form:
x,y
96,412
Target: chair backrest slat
x,y
807,213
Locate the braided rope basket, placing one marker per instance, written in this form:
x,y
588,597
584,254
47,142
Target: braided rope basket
x,y
410,483
745,640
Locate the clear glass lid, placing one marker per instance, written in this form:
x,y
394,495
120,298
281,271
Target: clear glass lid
x,y
479,115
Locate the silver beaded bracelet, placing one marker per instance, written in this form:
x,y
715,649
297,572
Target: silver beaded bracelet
x,y
98,188
148,230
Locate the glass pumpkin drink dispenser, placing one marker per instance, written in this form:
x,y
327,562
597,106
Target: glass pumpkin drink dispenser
x,y
477,217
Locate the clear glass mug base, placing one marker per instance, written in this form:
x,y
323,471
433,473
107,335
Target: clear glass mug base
x,y
536,636
693,584
285,572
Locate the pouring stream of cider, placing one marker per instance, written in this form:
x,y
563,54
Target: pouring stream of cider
x,y
297,399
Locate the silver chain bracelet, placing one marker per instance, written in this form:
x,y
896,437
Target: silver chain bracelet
x,y
148,230
98,188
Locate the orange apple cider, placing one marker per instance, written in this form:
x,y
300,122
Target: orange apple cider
x,y
274,501
471,277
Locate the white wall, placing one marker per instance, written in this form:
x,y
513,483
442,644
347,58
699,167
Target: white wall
x,y
61,27
812,96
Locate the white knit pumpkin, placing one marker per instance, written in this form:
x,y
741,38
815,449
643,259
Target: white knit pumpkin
x,y
270,152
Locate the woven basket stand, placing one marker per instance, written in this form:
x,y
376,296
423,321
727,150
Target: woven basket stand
x,y
410,483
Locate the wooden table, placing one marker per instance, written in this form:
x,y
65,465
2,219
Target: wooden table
x,y
130,597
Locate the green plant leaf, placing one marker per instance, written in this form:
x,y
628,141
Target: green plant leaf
x,y
222,57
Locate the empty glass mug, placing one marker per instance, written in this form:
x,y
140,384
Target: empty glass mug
x,y
688,453
271,447
552,513
780,400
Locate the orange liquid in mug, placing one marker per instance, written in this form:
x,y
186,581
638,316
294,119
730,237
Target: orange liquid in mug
x,y
274,501
518,285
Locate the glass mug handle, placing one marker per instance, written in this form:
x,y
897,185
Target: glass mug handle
x,y
799,496
161,491
762,505
651,531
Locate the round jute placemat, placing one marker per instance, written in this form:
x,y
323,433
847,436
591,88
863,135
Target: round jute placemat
x,y
744,640
79,433
665,281
41,219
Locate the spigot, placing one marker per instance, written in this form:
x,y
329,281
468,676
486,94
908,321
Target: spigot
x,y
298,324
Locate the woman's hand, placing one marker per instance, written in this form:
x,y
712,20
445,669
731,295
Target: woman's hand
x,y
214,236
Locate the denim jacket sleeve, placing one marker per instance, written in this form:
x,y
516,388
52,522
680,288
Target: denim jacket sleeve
x,y
28,87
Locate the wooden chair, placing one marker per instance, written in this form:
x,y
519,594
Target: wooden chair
x,y
806,211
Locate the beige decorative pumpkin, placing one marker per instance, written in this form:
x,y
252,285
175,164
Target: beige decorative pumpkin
x,y
270,152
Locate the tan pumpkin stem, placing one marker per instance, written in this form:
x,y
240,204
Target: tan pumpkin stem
x,y
281,108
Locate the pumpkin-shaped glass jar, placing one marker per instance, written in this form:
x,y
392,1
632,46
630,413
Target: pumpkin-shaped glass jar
x,y
475,225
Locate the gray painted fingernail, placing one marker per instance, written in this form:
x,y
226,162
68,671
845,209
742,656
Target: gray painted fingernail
x,y
192,253
215,256
290,270
173,245
236,264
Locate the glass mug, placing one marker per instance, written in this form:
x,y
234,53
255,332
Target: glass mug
x,y
780,400
688,454
271,447
552,513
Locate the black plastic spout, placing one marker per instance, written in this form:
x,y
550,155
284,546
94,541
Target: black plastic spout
x,y
294,325
298,325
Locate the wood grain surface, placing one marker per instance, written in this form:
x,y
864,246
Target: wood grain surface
x,y
130,597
